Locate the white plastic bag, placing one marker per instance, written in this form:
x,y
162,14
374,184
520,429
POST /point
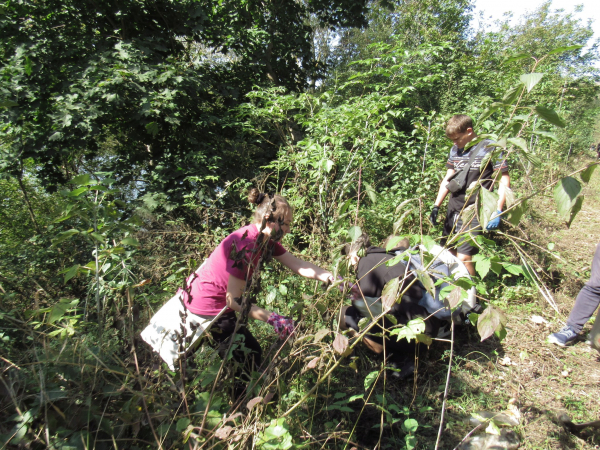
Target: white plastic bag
x,y
161,333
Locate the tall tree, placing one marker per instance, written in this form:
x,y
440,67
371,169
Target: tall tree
x,y
130,83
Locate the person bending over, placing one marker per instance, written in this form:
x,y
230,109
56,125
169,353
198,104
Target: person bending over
x,y
221,281
459,130
372,275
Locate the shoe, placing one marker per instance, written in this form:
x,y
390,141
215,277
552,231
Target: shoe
x,y
566,336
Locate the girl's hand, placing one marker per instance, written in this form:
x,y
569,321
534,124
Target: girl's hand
x,y
284,326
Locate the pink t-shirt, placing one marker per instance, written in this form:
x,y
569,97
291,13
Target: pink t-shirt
x,y
207,286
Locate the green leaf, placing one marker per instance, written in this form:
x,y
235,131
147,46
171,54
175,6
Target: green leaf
x,y
77,192
426,281
64,236
546,134
283,289
329,165
428,242
389,295
530,80
511,95
82,180
401,206
398,224
513,269
514,209
152,128
130,241
370,379
371,192
517,57
487,204
488,322
7,104
518,142
73,271
482,265
354,233
549,115
411,330
410,425
182,424
391,244
98,237
564,49
586,175
568,201
60,308
344,207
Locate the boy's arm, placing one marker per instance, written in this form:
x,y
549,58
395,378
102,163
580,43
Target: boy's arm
x,y
443,191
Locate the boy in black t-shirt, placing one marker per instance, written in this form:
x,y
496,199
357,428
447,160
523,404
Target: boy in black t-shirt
x,y
460,131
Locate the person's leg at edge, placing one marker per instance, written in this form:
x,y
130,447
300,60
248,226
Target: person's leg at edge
x,y
588,298
586,303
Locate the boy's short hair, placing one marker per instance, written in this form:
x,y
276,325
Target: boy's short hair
x,y
458,123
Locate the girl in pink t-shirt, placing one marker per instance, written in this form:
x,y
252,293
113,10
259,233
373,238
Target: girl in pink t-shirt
x,y
221,280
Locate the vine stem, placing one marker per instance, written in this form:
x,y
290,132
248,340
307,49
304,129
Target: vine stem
x,y
437,442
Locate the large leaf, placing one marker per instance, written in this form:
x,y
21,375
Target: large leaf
x,y
518,142
568,201
517,57
586,175
514,209
354,233
59,309
72,272
482,265
412,329
426,281
512,94
549,115
64,235
82,180
340,345
487,204
565,49
546,134
488,322
398,224
389,295
454,299
530,80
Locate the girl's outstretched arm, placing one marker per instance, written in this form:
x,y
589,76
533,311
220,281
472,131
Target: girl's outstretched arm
x,y
304,268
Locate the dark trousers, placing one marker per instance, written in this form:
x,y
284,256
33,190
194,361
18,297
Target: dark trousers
x,y
588,298
246,351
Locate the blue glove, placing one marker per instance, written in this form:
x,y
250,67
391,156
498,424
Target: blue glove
x,y
494,221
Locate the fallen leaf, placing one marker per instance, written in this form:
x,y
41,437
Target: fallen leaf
x,y
313,363
252,403
223,432
340,343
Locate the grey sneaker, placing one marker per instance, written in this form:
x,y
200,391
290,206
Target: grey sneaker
x,y
566,336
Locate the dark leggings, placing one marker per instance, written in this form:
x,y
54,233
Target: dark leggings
x,y
588,299
247,352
